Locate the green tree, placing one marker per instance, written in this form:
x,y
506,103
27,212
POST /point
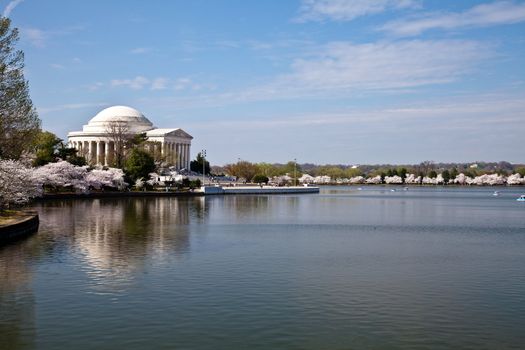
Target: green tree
x,y
19,120
453,173
352,172
70,155
242,169
403,174
197,164
49,148
139,164
432,174
521,171
269,169
446,176
260,178
46,145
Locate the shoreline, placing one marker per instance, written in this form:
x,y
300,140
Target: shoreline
x,y
22,224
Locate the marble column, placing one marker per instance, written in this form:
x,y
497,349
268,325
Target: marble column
x,y
182,156
106,156
99,153
172,153
177,156
91,150
188,154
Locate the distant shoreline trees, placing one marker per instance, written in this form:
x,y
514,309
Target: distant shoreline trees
x,y
425,173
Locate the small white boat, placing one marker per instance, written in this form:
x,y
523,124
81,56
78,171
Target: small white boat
x,y
359,189
496,193
521,198
406,188
392,190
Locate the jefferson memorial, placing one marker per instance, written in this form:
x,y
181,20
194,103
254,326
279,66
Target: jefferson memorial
x,y
96,141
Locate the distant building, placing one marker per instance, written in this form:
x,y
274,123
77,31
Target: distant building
x,y
96,141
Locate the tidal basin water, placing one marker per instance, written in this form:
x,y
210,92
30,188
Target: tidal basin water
x,y
427,268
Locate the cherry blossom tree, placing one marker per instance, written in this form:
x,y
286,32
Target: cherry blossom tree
x,y
63,175
515,179
99,178
357,180
412,179
462,179
17,184
393,179
489,180
374,180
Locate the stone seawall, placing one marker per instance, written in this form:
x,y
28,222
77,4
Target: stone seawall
x,y
25,226
215,190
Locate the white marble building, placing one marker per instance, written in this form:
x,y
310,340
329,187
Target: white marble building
x,y
96,143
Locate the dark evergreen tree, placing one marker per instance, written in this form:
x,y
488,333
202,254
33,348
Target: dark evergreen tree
x,y
446,176
196,165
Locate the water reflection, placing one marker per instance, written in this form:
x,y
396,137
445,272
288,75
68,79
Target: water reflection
x,y
17,300
375,270
115,240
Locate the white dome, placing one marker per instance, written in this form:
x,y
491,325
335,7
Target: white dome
x,y
133,119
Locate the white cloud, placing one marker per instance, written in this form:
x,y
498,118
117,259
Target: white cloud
x,y
36,37
384,65
467,112
344,69
140,50
96,86
496,13
57,66
159,83
10,7
71,106
185,84
347,10
137,83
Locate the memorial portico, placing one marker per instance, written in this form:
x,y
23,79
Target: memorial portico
x,y
99,140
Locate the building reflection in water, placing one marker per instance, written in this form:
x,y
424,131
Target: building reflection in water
x,y
117,239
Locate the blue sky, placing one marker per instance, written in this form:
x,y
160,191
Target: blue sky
x,y
322,81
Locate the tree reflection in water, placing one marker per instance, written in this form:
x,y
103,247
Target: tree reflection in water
x,y
17,301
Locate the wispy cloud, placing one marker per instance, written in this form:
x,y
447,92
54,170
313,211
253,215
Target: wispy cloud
x,y
95,86
347,10
137,83
10,7
70,106
140,50
343,69
187,84
159,83
386,65
57,66
39,37
496,13
472,114
36,37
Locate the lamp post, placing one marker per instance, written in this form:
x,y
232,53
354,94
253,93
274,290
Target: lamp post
x,y
203,154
